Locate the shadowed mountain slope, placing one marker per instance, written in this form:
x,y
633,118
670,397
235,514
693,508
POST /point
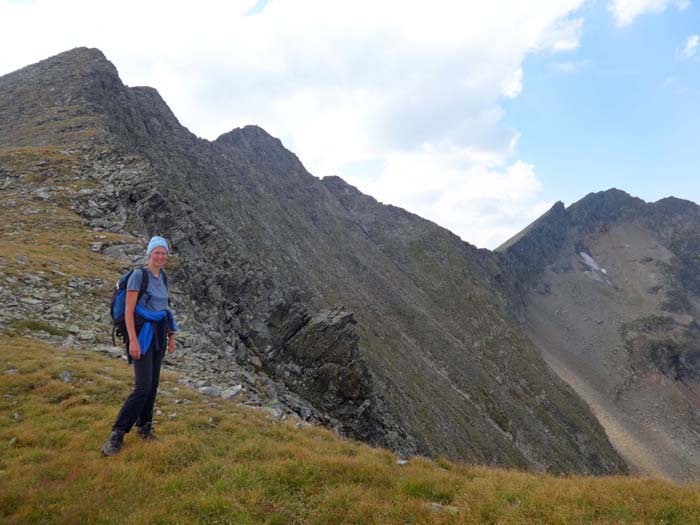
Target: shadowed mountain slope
x,y
363,316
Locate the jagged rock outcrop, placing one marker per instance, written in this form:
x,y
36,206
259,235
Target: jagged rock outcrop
x,y
348,312
320,360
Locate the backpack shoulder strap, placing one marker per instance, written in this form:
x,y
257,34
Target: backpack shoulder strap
x,y
144,282
165,282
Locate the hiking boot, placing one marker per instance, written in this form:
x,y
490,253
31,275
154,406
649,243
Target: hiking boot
x,y
146,432
114,443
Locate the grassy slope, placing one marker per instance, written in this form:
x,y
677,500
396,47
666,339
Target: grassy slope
x,y
216,462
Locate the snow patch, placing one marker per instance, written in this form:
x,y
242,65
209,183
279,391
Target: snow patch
x,y
594,271
590,262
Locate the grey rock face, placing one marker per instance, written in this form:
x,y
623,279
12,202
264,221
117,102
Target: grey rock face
x,y
319,359
232,393
210,391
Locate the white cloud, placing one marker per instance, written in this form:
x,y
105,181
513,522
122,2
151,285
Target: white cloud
x,y
411,90
475,195
625,11
564,37
691,48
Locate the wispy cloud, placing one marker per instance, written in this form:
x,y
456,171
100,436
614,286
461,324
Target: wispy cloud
x,y
571,68
625,11
691,49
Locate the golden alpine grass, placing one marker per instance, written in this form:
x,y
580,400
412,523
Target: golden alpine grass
x,y
218,462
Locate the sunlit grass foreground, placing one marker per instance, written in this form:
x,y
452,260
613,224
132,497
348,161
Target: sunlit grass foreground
x,y
216,462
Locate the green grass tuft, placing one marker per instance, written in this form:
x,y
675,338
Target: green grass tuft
x,y
32,325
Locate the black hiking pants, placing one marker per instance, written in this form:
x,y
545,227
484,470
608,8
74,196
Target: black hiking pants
x,y
138,407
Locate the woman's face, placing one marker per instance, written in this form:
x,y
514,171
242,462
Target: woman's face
x,y
159,256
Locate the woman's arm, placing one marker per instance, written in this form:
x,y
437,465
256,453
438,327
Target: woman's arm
x,y
132,296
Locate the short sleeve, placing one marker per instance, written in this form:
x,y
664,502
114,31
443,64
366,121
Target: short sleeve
x,y
134,282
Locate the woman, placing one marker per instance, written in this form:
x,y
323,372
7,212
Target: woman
x,y
150,328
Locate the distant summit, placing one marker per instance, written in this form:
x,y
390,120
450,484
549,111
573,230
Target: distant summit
x,y
605,206
258,146
608,289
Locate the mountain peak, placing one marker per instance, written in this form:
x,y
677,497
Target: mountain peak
x,y
556,214
260,148
56,101
67,69
604,206
76,96
249,136
674,205
82,55
534,247
78,59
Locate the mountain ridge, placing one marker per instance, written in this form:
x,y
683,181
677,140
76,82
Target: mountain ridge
x,y
273,259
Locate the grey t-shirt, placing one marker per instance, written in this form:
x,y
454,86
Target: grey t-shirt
x,y
156,295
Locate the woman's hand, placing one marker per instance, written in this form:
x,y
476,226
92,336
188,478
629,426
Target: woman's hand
x,y
171,343
135,349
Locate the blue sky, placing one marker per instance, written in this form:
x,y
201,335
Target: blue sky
x,y
476,115
622,110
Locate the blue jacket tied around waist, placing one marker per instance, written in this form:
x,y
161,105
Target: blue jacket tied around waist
x,y
161,319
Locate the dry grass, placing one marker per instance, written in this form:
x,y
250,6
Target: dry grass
x,y
216,462
26,158
50,125
51,239
45,237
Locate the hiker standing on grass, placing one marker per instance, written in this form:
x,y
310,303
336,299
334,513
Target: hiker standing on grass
x,y
150,328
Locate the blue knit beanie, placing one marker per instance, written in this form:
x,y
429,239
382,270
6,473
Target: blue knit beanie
x,y
154,243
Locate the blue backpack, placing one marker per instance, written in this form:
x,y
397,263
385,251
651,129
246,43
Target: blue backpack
x,y
117,307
